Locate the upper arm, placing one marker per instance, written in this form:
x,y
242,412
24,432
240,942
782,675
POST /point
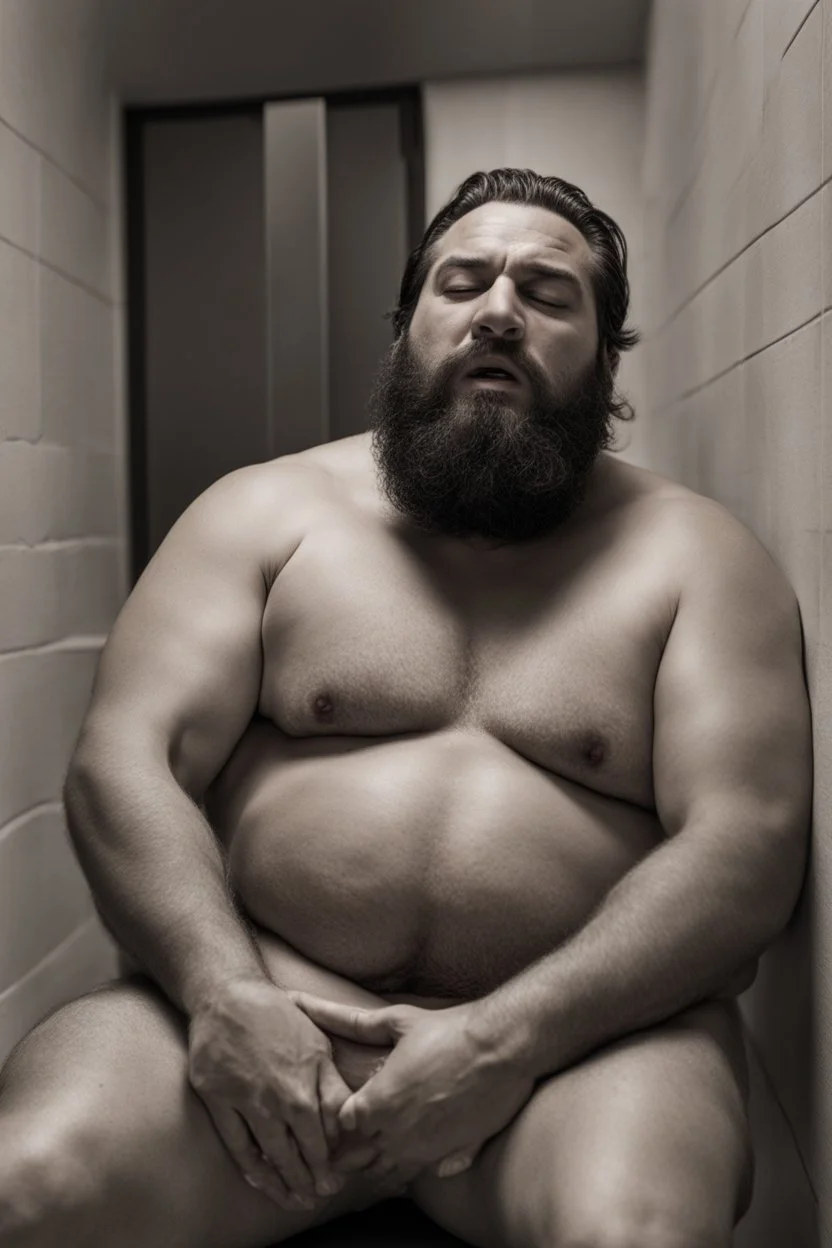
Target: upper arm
x,y
181,671
732,736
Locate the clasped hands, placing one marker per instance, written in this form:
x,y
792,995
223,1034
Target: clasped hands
x,y
262,1063
442,1092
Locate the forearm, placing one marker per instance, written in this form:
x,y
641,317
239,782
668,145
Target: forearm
x,y
158,878
672,932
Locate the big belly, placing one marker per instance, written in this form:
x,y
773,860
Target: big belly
x,y
437,863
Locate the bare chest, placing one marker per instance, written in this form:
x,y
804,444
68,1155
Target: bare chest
x,y
363,636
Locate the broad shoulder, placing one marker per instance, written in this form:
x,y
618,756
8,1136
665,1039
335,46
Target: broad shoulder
x,y
717,563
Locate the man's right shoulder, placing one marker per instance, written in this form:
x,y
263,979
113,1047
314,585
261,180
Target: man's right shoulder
x,y
259,512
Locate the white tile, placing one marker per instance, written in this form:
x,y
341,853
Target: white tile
x,y
783,280
19,191
787,167
735,116
88,588
54,492
43,894
77,363
826,11
50,593
28,594
43,698
81,963
74,231
723,303
52,84
783,394
19,346
826,245
782,20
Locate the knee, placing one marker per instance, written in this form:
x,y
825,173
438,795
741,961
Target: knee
x,y
46,1184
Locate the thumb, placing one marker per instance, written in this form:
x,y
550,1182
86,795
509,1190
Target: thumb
x,y
349,1022
455,1163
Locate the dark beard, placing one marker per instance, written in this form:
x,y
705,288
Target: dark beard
x,y
467,465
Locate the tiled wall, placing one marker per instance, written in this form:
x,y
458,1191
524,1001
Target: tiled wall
x,y
62,548
738,364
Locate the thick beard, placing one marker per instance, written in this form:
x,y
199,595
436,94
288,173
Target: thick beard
x,y
474,465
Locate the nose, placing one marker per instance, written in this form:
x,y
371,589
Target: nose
x,y
499,314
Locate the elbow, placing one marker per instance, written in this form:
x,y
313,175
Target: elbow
x,y
781,891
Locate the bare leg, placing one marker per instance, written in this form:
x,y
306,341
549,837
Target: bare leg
x,y
102,1140
643,1145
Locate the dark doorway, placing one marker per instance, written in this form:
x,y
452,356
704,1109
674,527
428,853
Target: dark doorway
x,y
266,242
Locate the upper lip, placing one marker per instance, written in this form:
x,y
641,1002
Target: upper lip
x,y
493,361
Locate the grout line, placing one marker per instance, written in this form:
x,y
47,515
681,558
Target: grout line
x,y
62,543
797,32
19,819
99,203
688,394
718,272
52,956
107,300
770,1085
83,643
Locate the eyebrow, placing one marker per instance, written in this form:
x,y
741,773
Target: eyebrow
x,y
536,267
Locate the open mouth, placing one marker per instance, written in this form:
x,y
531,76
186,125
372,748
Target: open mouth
x,y
491,374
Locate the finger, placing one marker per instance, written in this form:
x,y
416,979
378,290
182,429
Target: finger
x,y
350,1116
306,1124
280,1149
333,1092
380,1168
453,1164
238,1140
354,1159
348,1021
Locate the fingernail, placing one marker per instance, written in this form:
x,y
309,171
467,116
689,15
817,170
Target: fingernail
x,y
328,1187
303,1202
449,1168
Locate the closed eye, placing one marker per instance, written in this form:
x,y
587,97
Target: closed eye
x,y
548,303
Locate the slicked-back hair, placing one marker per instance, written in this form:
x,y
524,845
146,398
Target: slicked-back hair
x,y
523,186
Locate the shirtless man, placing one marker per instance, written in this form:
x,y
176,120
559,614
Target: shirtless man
x,y
447,782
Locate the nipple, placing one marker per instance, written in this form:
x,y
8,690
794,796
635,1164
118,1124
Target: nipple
x,y
595,753
323,705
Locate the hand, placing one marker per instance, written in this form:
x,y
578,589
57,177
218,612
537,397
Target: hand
x,y
439,1095
266,1075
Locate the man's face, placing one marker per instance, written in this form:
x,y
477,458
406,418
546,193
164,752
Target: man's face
x,y
464,449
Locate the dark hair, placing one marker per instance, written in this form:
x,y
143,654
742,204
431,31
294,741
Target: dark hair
x,y
523,186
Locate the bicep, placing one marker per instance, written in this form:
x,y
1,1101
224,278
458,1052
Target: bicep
x,y
180,674
732,748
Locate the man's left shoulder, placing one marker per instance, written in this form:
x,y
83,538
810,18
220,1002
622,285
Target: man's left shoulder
x,y
712,555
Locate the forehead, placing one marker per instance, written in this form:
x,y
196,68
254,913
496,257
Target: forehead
x,y
517,233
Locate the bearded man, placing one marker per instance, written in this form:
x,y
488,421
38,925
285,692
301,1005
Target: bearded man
x,y
446,783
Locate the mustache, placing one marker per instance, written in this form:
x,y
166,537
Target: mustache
x,y
513,352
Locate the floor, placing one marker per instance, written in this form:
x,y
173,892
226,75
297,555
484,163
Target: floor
x,y
393,1224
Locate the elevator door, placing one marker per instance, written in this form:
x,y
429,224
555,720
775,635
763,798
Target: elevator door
x,y
265,248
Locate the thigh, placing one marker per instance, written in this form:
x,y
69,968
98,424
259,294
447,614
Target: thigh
x,y
644,1142
101,1087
